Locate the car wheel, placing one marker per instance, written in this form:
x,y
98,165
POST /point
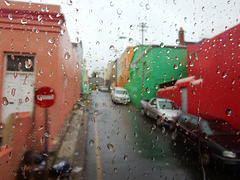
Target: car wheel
x,y
205,158
142,112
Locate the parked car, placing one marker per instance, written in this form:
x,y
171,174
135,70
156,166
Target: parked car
x,y
215,140
120,95
103,88
163,110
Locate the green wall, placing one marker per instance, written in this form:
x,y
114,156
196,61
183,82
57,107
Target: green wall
x,y
160,65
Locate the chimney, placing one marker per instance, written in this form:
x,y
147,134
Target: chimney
x,y
181,36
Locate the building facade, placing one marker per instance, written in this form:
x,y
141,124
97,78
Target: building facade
x,y
35,52
213,85
153,67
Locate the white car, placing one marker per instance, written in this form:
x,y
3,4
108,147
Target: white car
x,y
163,110
120,95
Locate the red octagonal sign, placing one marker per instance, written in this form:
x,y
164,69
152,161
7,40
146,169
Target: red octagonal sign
x,y
45,97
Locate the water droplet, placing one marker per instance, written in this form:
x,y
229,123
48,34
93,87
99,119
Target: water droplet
x,y
67,56
51,40
39,17
96,112
135,134
147,7
177,41
69,2
180,74
191,64
28,63
91,142
110,147
119,11
13,91
224,74
130,40
125,157
24,21
111,47
97,43
218,71
2,126
40,128
111,4
10,17
47,134
7,2
175,66
148,90
115,169
4,101
194,93
156,86
228,112
131,27
162,45
26,99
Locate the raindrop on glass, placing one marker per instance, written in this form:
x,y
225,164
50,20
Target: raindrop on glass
x,y
125,157
224,75
175,66
111,47
91,142
110,147
130,40
2,126
7,2
148,90
13,91
28,63
67,56
228,112
4,101
119,11
10,16
69,2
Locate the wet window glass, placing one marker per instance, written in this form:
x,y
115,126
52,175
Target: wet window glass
x,y
111,89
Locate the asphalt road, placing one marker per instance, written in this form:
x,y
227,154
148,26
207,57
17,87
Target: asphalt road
x,y
122,144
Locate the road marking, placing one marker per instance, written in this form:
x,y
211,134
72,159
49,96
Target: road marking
x,y
98,161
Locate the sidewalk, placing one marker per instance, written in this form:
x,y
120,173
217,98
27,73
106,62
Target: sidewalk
x,y
71,146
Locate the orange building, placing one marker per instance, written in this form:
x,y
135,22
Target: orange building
x,y
35,51
123,66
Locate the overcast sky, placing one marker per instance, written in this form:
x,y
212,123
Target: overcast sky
x,y
99,23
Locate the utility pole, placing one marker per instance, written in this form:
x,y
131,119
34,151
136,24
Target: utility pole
x,y
142,27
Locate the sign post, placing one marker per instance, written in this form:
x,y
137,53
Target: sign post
x,y
45,98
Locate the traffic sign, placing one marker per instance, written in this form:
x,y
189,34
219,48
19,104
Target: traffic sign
x,y
45,97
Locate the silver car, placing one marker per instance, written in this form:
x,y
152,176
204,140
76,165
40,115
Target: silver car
x,y
120,95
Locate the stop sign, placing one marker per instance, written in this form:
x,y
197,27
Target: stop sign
x,y
45,97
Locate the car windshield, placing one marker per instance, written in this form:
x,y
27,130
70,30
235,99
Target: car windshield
x,y
167,105
216,127
122,92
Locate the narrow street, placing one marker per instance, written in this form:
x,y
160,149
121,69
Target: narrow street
x,y
122,144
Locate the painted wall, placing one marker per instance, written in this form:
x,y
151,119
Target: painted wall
x,y
124,61
38,30
160,65
216,63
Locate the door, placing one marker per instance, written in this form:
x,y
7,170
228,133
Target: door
x,y
18,85
184,99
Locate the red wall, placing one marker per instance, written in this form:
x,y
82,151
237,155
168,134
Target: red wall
x,y
51,69
216,62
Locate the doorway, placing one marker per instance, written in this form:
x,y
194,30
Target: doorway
x,y
18,85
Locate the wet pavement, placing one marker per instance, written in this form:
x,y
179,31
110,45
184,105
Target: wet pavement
x,y
122,144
